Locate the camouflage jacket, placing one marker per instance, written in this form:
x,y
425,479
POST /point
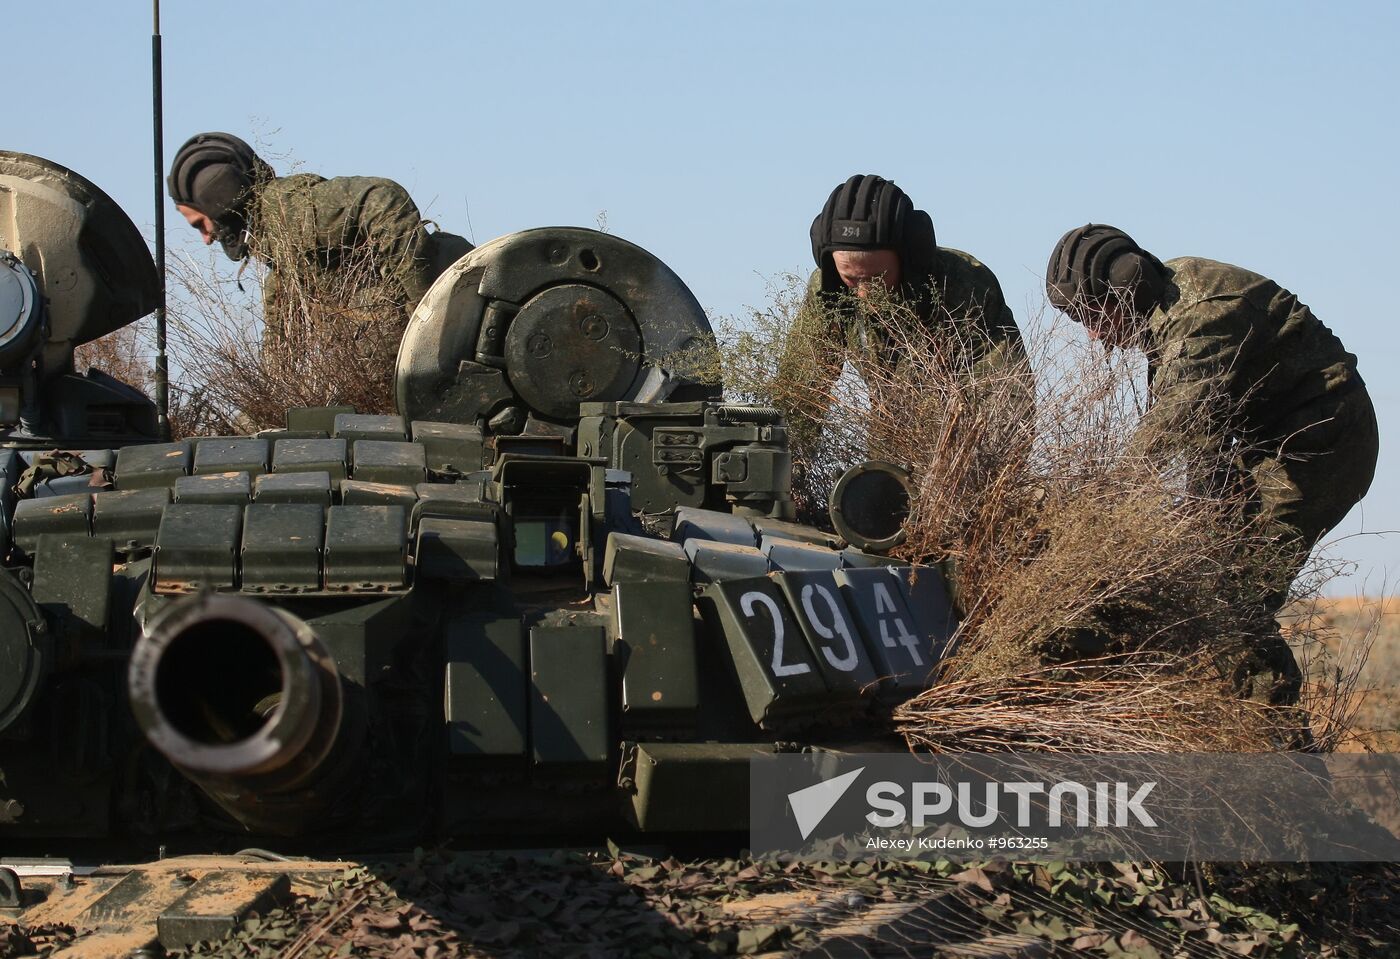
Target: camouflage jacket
x,y
1233,353
368,226
956,295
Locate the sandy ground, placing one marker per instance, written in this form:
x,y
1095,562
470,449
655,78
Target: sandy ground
x,y
1360,636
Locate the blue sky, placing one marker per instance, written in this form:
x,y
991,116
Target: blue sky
x,y
1262,134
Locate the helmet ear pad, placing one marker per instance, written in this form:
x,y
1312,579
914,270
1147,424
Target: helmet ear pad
x,y
1141,279
216,189
1095,264
1125,270
920,244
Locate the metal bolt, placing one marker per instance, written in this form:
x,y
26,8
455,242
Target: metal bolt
x,y
594,326
581,383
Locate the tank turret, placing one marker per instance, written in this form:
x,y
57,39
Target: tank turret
x,y
524,329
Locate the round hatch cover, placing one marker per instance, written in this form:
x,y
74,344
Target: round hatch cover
x,y
572,344
869,505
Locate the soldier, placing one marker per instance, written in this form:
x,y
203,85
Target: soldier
x,y
1234,362
356,239
869,242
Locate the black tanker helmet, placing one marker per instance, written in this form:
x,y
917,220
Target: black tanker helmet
x,y
215,174
870,213
1095,263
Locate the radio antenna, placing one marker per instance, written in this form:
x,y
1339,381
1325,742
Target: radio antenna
x,y
158,124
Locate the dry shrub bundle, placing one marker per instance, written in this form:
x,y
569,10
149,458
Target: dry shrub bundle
x,y
125,354
291,334
239,359
1115,594
324,340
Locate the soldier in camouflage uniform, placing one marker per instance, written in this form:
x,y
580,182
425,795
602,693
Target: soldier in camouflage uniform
x,y
359,239
1234,362
868,234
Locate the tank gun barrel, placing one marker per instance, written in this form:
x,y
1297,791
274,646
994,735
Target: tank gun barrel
x,y
245,701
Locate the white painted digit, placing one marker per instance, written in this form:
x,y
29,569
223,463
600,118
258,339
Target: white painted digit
x,y
884,603
780,668
851,659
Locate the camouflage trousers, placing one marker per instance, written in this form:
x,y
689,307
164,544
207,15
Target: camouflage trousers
x,y
1298,491
1322,467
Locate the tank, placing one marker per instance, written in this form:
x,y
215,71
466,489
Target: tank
x,y
561,593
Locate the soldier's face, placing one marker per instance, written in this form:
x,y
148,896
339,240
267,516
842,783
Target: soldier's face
x,y
860,270
207,230
1111,325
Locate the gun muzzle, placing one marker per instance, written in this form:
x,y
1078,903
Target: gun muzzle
x,y
245,701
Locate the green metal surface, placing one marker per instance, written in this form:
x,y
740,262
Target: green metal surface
x,y
902,655
282,546
52,514
73,583
312,456
666,781
219,455
789,554
358,426
365,547
197,546
216,903
774,665
450,447
358,493
309,488
228,489
629,558
315,419
712,562
143,467
838,651
458,550
568,701
926,593
130,517
655,650
386,461
487,685
712,525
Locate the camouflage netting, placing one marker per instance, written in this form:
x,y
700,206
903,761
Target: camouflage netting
x,y
609,904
